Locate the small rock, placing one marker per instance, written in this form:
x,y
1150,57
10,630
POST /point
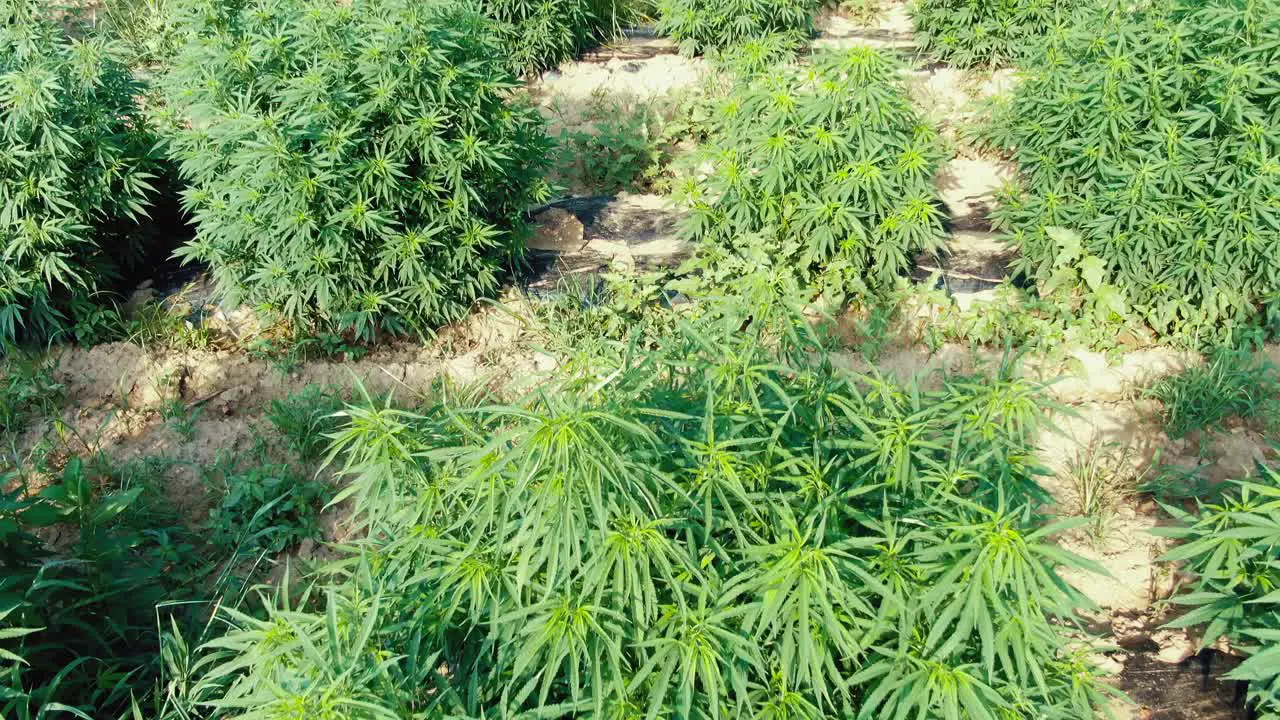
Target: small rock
x,y
1238,454
1107,664
557,230
542,362
1174,646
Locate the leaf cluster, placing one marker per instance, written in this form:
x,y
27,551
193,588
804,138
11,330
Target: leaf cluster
x,y
1153,131
828,166
265,507
1232,546
990,33
609,146
541,34
716,527
77,161
700,26
1232,385
355,167
78,624
28,389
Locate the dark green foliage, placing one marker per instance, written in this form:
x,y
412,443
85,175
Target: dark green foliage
x,y
724,526
987,32
703,25
83,620
266,507
304,420
356,167
1232,546
827,168
1233,384
27,390
608,147
540,34
76,167
1155,133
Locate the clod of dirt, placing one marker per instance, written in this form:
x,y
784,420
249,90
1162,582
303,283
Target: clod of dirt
x,y
1088,376
1238,453
557,230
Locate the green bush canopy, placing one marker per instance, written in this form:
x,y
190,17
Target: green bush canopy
x,y
724,526
1155,133
76,166
988,32
702,25
828,167
361,167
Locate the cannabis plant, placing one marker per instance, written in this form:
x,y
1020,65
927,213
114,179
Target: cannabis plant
x,y
987,32
353,166
828,166
1231,546
723,525
540,34
1152,130
76,160
703,25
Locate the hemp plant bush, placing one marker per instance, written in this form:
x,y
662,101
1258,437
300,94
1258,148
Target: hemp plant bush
x,y
539,34
724,526
76,164
700,26
356,167
1154,130
1231,547
827,166
971,33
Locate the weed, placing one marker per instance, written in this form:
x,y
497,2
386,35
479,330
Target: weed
x,y
90,611
286,352
618,149
305,420
863,12
143,27
181,417
27,390
265,507
1231,384
1102,477
156,323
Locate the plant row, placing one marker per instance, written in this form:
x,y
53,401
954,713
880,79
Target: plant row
x,y
365,169
724,525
